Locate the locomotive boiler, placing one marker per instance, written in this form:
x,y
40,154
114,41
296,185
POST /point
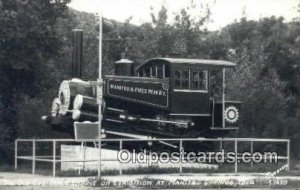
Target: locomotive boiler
x,y
161,97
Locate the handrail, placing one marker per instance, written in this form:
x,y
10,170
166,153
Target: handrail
x,y
57,159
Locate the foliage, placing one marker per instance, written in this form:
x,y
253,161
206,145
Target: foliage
x,y
29,43
267,76
35,56
261,117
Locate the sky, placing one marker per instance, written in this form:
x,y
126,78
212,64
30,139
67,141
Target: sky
x,y
223,12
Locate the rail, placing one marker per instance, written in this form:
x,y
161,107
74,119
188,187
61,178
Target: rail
x,y
54,158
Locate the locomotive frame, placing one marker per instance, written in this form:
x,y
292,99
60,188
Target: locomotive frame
x,y
162,97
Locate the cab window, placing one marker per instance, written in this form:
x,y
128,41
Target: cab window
x,y
198,80
190,79
144,72
153,71
159,71
182,79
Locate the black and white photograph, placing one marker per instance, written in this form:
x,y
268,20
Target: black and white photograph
x,y
149,94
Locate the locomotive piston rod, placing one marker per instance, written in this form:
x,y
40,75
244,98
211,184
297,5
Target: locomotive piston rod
x,y
137,118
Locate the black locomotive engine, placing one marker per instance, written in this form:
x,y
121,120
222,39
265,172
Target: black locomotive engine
x,y
165,97
162,97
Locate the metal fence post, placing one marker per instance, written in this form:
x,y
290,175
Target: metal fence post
x,y
180,152
288,155
121,146
54,158
16,154
251,149
84,156
99,153
221,145
236,160
33,157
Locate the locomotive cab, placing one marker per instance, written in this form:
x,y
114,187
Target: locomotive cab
x,y
190,96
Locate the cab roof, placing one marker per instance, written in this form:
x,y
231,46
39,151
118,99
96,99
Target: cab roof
x,y
182,61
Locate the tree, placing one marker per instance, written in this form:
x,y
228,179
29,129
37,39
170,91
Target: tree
x,y
261,93
28,43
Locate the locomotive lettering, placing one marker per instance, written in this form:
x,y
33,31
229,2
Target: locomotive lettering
x,y
149,93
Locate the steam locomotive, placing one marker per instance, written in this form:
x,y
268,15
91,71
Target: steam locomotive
x,y
162,97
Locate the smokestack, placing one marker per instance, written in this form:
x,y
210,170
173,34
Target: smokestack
x,y
77,53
